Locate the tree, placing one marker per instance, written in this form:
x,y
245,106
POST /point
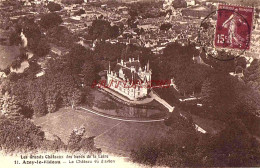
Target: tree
x,y
77,56
30,30
145,155
64,86
165,26
108,51
16,64
50,20
10,105
19,135
220,64
74,97
173,159
219,93
80,12
252,73
179,4
53,7
53,99
30,27
114,30
205,25
241,61
61,36
131,22
78,143
133,13
175,149
13,77
69,2
175,59
102,30
39,104
191,79
233,147
18,89
42,49
88,72
14,38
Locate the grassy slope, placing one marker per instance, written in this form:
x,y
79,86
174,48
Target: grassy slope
x,y
112,136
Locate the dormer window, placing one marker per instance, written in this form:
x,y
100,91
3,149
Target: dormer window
x,y
140,69
132,69
121,73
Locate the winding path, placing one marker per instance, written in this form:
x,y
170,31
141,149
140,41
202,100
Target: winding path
x,y
198,128
120,119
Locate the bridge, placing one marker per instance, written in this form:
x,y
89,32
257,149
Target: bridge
x,y
156,97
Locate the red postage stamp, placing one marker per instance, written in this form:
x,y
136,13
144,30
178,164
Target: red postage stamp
x,y
234,26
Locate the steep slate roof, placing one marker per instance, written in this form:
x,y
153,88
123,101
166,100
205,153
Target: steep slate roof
x,y
127,71
136,64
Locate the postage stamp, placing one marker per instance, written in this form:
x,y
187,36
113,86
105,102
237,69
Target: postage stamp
x,y
233,27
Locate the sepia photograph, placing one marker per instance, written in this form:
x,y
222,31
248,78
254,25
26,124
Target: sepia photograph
x,y
129,83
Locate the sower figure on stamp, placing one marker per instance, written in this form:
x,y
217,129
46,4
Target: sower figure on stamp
x,y
231,24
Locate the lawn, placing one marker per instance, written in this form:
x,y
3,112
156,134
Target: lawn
x,y
7,55
112,136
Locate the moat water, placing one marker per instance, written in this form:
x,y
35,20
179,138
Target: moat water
x,y
106,104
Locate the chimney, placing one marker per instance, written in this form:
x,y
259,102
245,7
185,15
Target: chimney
x,y
140,69
132,68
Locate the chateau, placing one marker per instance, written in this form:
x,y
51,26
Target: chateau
x,y
130,79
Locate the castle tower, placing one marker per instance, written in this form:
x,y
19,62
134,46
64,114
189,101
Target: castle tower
x,y
109,68
148,66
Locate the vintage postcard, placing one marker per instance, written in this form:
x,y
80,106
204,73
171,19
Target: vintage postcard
x,y
129,83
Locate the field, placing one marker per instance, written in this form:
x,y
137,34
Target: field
x,y
112,136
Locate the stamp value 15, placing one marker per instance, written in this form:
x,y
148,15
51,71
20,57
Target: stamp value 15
x,y
234,26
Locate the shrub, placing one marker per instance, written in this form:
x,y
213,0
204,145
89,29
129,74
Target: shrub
x,y
53,7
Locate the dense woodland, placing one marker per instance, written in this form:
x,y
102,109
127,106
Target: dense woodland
x,y
67,78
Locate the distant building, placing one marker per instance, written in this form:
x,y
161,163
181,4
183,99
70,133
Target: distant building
x,y
196,11
27,3
190,2
123,9
130,79
104,6
24,40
